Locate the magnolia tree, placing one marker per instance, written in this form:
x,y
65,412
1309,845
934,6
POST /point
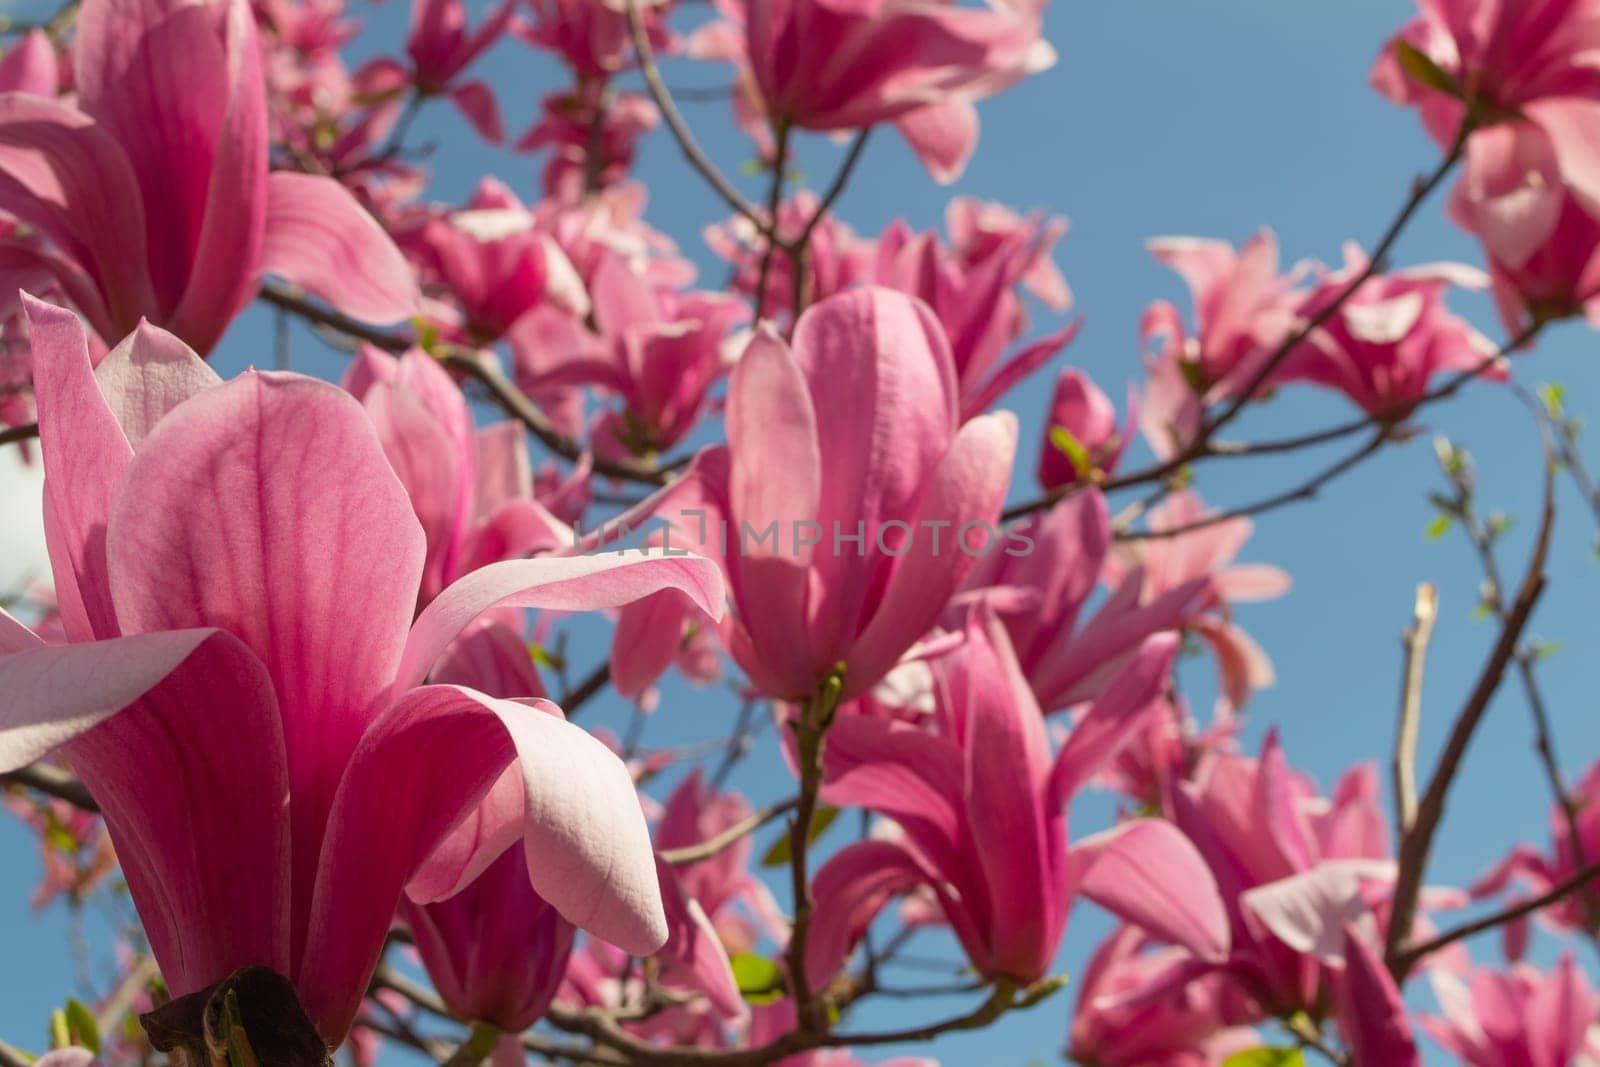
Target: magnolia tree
x,y
302,685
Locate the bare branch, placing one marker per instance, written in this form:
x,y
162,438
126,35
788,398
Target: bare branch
x,y
52,781
1410,956
1415,641
704,850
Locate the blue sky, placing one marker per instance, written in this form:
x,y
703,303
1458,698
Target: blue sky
x,y
1161,117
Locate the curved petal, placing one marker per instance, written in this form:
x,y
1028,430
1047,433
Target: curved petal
x,y
588,849
1112,719
1372,1017
943,136
569,583
1148,874
967,488
647,638
320,239
426,462
693,954
265,507
147,375
67,176
194,784
850,890
85,454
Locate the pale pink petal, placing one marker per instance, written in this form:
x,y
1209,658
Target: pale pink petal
x,y
588,849
647,638
147,375
693,955
320,239
574,583
1309,911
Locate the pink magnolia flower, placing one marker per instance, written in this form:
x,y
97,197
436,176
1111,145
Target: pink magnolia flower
x,y
153,190
441,47
886,502
1520,1017
1205,554
1118,1023
567,130
590,37
1094,442
1043,591
1535,873
920,65
981,811
220,649
1372,1017
1388,340
497,263
1507,61
1242,308
497,950
980,230
836,258
1293,867
1539,239
1169,750
976,304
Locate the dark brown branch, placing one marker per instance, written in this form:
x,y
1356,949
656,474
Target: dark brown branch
x,y
1409,957
54,782
1417,844
14,434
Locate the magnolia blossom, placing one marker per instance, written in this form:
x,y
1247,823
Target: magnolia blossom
x,y
567,130
219,650
153,189
980,807
1205,554
1082,437
919,65
1391,337
973,297
1243,307
836,257
1519,1017
886,503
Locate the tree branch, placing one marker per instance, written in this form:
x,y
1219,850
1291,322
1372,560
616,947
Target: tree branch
x,y
54,782
704,850
1415,641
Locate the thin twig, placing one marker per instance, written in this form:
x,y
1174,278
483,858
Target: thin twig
x,y
14,434
704,850
780,162
680,129
572,702
1415,642
1410,956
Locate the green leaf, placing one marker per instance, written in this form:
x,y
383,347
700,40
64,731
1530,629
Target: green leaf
x,y
81,1020
1439,527
1554,396
759,979
1423,70
1068,445
1267,1056
779,853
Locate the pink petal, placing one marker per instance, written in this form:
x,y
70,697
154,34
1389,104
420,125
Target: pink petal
x,y
967,486
580,583
1309,911
588,849
31,66
943,136
849,891
426,462
913,777
1112,719
1372,1017
195,788
85,455
647,638
320,239
265,507
693,955
147,375
477,106
1148,874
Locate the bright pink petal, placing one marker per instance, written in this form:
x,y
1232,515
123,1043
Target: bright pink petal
x,y
31,66
320,239
85,455
476,104
1147,873
1372,1017
849,891
1112,719
943,136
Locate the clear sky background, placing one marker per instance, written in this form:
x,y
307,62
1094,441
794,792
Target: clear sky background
x,y
1161,117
